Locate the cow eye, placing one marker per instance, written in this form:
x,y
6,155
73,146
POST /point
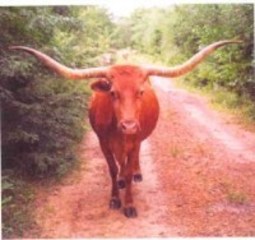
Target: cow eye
x,y
140,93
114,95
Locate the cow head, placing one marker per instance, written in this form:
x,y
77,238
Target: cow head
x,y
125,83
125,86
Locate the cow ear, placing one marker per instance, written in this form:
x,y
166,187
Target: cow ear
x,y
101,85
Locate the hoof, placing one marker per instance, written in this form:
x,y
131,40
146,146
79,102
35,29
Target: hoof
x,y
115,203
138,177
121,183
130,212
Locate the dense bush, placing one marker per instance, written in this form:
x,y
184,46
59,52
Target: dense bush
x,y
231,67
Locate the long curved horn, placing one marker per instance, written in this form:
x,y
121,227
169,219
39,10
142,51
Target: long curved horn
x,y
63,70
190,64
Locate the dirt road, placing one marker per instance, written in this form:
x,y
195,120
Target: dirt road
x,y
198,171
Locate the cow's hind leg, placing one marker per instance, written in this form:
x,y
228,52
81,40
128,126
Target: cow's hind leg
x,y
129,209
115,202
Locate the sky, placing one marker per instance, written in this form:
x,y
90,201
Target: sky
x,y
125,7
119,8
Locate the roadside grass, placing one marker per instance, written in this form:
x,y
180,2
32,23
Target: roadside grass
x,y
175,151
234,195
237,197
17,200
240,109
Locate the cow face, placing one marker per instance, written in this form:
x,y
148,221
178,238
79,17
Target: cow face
x,y
125,87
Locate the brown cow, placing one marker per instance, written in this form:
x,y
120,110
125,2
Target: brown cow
x,y
123,112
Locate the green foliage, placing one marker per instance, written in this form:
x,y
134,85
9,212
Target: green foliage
x,y
16,212
93,38
230,67
29,119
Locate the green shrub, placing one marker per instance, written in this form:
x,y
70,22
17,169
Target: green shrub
x,y
17,196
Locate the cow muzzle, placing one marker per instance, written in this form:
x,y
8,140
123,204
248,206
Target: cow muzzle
x,y
129,126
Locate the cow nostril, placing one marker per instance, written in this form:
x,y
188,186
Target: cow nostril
x,y
129,125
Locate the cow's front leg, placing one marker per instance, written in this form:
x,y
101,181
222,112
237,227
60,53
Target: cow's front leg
x,y
121,180
121,158
129,209
115,202
137,175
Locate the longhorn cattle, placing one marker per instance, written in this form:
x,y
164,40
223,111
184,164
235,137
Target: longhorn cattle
x,y
123,112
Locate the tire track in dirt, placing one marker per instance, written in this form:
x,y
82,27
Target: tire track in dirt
x,y
79,207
